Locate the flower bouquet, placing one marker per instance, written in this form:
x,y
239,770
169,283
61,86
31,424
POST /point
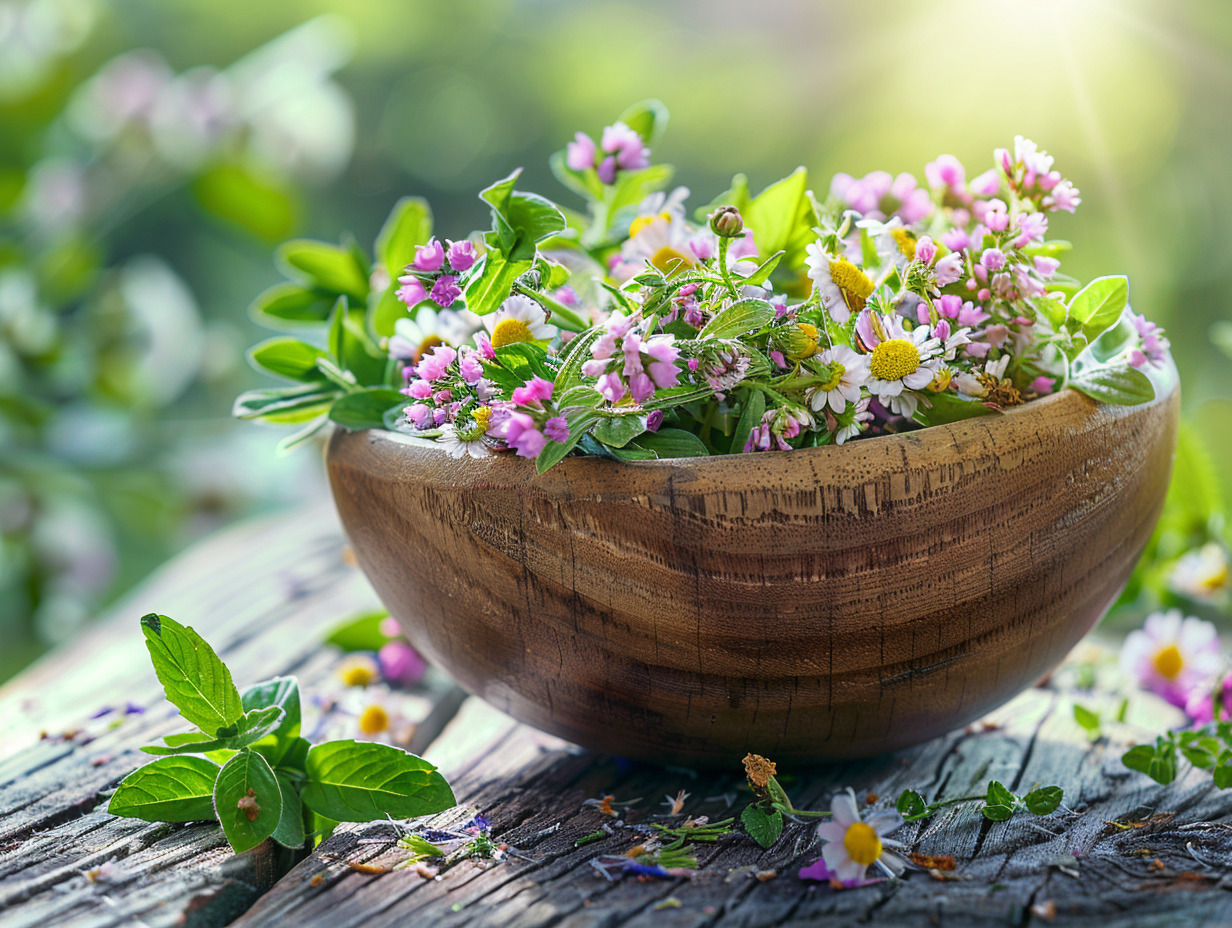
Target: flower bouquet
x,y
668,587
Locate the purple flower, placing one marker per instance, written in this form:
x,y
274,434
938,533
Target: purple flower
x,y
580,153
532,392
420,415
461,255
429,257
1043,385
556,429
1201,703
1153,347
412,291
993,259
401,664
446,290
946,172
470,367
420,390
662,368
654,420
1172,655
607,170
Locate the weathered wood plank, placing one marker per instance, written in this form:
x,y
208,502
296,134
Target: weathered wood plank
x,y
532,791
263,594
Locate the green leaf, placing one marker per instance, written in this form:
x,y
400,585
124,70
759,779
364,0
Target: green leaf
x,y
763,827
1086,719
1158,762
420,846
172,789
361,633
647,118
764,270
1222,774
782,217
579,420
322,827
490,285
352,781
196,681
285,403
672,443
282,693
1043,800
750,416
1099,304
332,268
291,303
520,219
618,431
365,409
951,407
287,357
1120,386
585,184
1000,802
250,728
997,813
268,210
290,829
911,805
352,347
247,771
740,318
408,226
1052,310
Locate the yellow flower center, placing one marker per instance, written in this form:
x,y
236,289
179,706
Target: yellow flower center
x,y
1216,580
836,376
894,359
852,281
862,844
670,260
357,673
510,332
941,382
373,720
1169,662
905,242
481,415
642,222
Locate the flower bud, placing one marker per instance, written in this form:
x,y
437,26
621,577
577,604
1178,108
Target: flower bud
x,y
726,222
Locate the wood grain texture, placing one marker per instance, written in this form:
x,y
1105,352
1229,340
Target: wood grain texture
x,y
811,605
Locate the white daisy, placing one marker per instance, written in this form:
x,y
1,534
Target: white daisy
x,y
459,444
1202,574
899,360
848,372
842,287
859,422
663,240
853,845
518,319
428,328
895,243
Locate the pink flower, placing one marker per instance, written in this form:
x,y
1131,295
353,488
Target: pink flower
x,y
987,184
580,153
662,368
446,290
532,392
420,415
956,239
566,295
1046,267
631,153
521,434
429,257
946,172
1172,655
823,874
996,216
1063,196
412,291
1033,226
401,664
470,367
433,365
556,429
420,390
607,170
1043,385
993,259
949,269
611,387
1201,703
461,255
1153,347
925,249
914,202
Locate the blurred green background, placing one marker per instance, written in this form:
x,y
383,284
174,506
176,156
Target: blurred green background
x,y
152,152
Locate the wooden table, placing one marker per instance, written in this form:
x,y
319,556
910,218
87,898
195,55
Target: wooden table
x,y
1122,851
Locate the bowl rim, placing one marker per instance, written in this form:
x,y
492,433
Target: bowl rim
x,y
1068,400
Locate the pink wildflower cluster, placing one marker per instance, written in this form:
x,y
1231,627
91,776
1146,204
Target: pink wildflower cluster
x,y
880,195
529,421
777,427
625,363
620,149
434,272
444,382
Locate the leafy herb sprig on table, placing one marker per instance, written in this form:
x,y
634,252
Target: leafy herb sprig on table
x,y
1207,748
1000,803
247,766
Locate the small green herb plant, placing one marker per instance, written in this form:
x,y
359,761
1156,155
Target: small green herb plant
x,y
1207,748
246,765
1000,803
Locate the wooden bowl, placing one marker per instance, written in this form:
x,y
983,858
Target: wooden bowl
x,y
825,603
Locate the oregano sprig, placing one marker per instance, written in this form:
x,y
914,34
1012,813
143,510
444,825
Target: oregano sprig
x,y
1000,803
257,776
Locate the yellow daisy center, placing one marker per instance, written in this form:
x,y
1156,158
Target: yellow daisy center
x,y
836,376
357,673
1216,580
510,332
670,260
862,844
481,415
1169,662
905,242
641,222
373,720
894,359
852,281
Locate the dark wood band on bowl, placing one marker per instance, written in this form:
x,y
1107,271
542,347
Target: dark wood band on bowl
x,y
807,605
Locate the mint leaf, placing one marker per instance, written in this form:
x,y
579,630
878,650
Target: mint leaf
x,y
408,226
250,728
490,282
196,681
764,828
365,409
1120,385
173,789
351,781
999,801
741,317
1087,720
911,805
290,830
247,800
1099,304
361,633
1043,800
618,431
1158,761
331,268
287,357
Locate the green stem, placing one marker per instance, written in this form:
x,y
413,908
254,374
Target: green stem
x,y
724,243
561,314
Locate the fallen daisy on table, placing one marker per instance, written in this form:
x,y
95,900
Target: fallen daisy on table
x,y
854,844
